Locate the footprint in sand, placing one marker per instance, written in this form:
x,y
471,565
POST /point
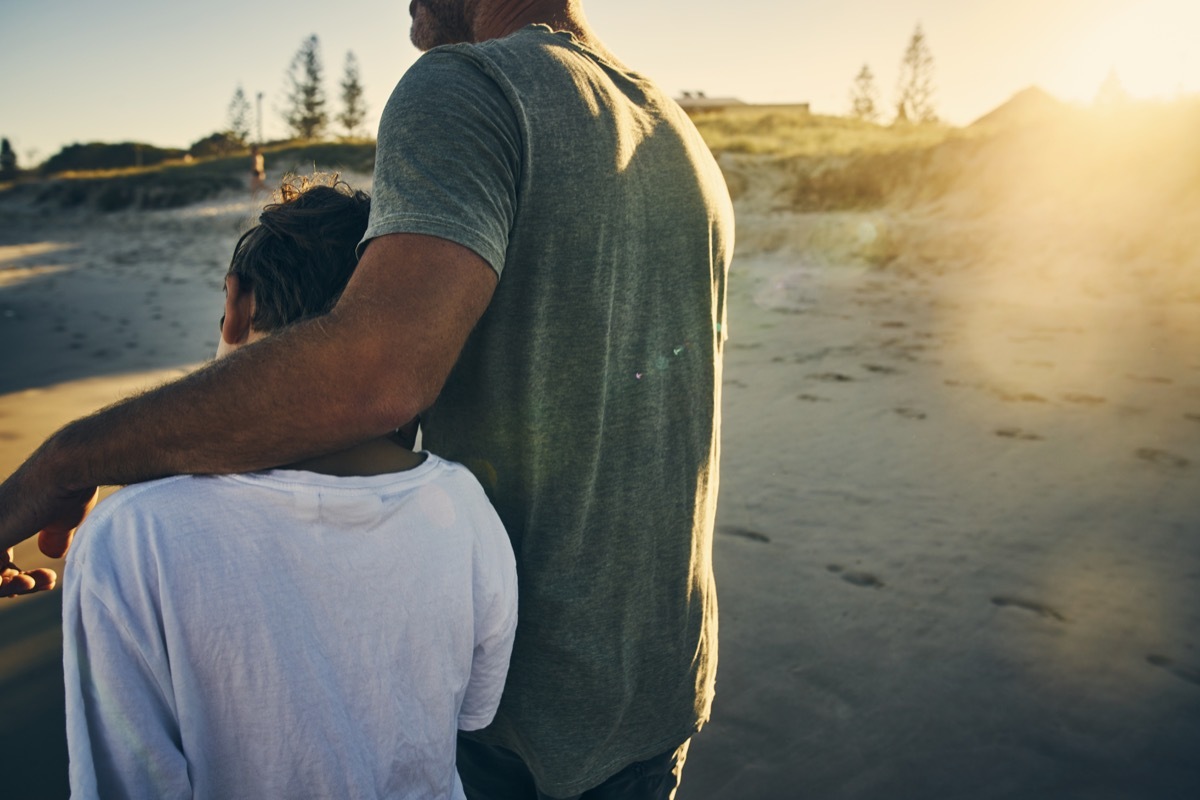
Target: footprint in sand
x,y
1084,399
880,369
812,398
910,413
1020,397
1018,434
863,579
744,533
1162,458
1032,606
893,324
831,377
1192,417
1185,673
1150,379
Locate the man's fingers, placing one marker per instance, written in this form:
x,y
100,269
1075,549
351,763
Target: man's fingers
x,y
16,584
43,579
14,581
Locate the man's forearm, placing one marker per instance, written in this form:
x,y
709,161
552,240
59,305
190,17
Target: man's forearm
x,y
237,414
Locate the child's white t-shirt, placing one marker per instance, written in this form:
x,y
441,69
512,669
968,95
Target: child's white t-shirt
x,y
285,634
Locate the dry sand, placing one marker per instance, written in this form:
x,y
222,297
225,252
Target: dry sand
x,y
958,551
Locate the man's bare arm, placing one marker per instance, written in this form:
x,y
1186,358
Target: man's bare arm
x,y
378,359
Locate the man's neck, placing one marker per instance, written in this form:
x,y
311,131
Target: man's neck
x,y
497,20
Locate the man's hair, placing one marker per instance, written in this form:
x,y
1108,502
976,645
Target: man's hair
x,y
300,255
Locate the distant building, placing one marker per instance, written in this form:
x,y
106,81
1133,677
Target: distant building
x,y
692,102
696,102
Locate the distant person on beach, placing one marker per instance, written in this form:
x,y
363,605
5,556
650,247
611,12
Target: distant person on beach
x,y
258,171
545,272
319,630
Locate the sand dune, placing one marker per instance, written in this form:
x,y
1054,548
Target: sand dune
x,y
958,549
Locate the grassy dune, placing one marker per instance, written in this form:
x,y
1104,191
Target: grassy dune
x,y
837,163
181,183
1042,187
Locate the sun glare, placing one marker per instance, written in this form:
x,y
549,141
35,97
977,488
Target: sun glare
x,y
1149,45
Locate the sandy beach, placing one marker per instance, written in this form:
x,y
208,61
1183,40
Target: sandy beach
x,y
958,545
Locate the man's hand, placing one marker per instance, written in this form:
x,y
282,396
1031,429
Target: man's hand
x,y
29,505
15,581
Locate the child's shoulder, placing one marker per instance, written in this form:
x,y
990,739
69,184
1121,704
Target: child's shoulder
x,y
164,493
141,510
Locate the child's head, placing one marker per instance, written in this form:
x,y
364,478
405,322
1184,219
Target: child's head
x,y
295,262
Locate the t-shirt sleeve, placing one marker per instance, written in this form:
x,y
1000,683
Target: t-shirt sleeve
x,y
448,159
495,597
121,727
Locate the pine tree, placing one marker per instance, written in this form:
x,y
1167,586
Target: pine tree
x,y
239,116
305,114
915,85
8,160
862,97
354,108
1112,92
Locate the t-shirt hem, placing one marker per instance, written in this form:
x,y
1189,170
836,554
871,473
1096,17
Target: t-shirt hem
x,y
601,774
469,724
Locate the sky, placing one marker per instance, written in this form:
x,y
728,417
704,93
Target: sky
x,y
163,73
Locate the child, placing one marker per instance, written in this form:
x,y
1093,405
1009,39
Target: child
x,y
319,630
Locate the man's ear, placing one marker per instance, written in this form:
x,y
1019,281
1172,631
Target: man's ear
x,y
239,311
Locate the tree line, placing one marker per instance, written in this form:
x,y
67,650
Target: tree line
x,y
306,112
914,87
306,108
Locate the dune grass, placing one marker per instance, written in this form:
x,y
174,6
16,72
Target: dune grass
x,y
795,132
180,183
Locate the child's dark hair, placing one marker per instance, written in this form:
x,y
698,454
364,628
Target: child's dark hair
x,y
300,255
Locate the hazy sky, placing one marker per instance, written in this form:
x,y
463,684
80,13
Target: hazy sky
x,y
164,72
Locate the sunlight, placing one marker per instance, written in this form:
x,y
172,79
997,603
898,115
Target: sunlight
x,y
16,252
14,276
1148,44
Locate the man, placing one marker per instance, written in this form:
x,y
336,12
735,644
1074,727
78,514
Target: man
x,y
549,241
306,687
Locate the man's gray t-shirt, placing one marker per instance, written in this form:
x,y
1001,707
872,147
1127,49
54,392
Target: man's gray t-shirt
x,y
587,399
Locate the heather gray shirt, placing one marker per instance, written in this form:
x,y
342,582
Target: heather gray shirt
x,y
587,400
